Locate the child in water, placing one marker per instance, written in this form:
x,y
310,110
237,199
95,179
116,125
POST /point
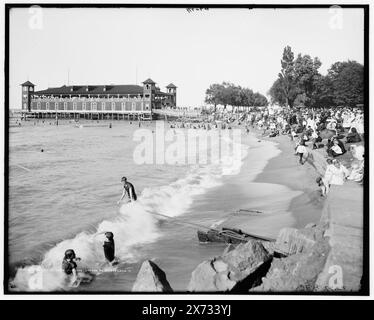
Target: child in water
x,y
69,266
109,247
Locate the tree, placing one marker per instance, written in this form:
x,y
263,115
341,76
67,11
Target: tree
x,y
287,77
229,94
347,83
259,100
297,81
324,95
307,77
247,97
276,93
300,83
214,95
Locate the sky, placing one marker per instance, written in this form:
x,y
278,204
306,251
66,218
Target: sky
x,y
55,47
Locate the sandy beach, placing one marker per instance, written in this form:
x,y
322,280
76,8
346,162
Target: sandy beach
x,y
284,192
286,170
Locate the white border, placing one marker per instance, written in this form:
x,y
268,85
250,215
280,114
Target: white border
x,y
183,296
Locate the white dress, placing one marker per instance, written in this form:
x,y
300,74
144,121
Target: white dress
x,y
358,152
357,172
336,149
334,175
301,149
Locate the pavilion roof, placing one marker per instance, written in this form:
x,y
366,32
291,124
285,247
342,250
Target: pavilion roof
x,y
28,83
92,89
150,81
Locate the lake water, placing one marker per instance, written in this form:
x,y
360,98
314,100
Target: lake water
x,y
62,197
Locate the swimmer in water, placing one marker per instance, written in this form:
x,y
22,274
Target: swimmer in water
x,y
109,247
69,265
128,190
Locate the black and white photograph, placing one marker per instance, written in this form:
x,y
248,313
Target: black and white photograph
x,y
186,149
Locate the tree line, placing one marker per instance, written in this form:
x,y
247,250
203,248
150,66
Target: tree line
x,y
300,83
229,94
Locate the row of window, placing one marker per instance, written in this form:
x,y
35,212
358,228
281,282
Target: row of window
x,y
146,96
91,106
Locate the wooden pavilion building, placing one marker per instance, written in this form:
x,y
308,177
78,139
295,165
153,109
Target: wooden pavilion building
x,y
97,101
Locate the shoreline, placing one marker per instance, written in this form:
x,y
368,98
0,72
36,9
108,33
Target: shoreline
x,y
284,192
327,234
284,169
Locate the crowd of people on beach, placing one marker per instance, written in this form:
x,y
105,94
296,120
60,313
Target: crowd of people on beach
x,y
335,132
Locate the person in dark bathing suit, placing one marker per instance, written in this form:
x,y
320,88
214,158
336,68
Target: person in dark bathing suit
x,y
109,247
69,265
69,262
128,190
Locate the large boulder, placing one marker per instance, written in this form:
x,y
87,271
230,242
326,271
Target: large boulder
x,y
151,278
292,241
234,269
298,272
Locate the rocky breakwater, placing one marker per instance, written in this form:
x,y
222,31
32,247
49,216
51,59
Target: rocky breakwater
x,y
299,258
292,263
238,268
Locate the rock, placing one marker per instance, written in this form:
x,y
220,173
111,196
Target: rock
x,y
298,272
291,241
220,266
229,271
246,258
229,248
151,278
269,246
203,277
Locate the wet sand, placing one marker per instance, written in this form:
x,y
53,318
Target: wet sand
x,y
285,169
284,193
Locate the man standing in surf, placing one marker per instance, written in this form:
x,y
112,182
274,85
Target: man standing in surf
x,y
128,190
109,248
